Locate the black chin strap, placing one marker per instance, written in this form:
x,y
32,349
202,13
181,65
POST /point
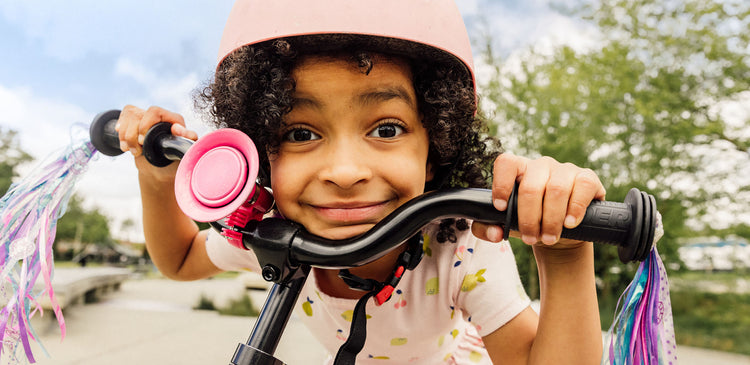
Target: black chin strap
x,y
357,334
408,260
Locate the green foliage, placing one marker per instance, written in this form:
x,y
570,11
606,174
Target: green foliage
x,y
639,110
242,306
80,224
526,267
11,156
205,303
717,321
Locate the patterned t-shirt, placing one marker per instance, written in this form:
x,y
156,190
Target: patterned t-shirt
x,y
438,313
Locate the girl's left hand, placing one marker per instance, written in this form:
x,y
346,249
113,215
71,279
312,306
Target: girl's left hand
x,y
551,195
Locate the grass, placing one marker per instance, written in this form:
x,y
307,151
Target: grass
x,y
717,321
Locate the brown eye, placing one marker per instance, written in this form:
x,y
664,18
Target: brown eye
x,y
389,130
300,135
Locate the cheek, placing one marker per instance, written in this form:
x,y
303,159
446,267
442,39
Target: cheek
x,y
283,182
408,172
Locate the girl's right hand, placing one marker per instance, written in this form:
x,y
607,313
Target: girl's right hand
x,y
132,126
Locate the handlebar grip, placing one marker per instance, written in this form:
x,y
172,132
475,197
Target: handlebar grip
x,y
607,222
160,147
103,135
629,225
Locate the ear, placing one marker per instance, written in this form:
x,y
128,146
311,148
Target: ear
x,y
429,172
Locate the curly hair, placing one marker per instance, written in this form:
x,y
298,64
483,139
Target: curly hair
x,y
252,91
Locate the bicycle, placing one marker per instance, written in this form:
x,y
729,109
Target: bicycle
x,y
287,252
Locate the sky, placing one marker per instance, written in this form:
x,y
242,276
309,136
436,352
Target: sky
x,y
62,63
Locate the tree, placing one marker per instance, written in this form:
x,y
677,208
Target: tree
x,y
641,110
126,227
86,226
11,156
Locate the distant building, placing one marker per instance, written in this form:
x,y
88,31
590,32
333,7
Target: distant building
x,y
724,255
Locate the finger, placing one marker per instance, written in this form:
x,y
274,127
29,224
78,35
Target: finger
x,y
530,199
556,198
587,187
157,114
506,170
130,117
487,232
136,132
181,131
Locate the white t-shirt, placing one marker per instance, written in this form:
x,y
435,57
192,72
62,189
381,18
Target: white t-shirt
x,y
438,313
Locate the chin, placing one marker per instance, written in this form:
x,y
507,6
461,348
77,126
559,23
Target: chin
x,y
343,232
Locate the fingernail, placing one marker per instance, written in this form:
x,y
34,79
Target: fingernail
x,y
494,234
117,126
141,138
529,240
179,128
123,146
134,151
500,204
549,239
570,221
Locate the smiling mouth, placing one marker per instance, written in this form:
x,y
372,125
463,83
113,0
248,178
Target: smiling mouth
x,y
352,213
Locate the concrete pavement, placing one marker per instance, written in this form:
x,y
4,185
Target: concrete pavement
x,y
152,322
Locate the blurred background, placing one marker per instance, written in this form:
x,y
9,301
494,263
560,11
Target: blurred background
x,y
652,94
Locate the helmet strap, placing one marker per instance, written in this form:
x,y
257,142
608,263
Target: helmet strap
x,y
381,291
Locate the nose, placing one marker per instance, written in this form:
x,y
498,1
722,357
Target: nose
x,y
346,166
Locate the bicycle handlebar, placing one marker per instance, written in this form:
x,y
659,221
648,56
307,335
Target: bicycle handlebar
x,y
281,244
160,147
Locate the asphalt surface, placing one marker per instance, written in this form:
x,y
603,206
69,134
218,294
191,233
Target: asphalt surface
x,y
152,322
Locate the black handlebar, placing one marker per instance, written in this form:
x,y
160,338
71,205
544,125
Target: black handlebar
x,y
279,243
282,246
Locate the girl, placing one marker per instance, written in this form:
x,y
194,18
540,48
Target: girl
x,y
356,108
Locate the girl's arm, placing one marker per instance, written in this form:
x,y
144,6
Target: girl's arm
x,y
551,195
173,240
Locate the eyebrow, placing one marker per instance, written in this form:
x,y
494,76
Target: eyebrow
x,y
385,94
364,98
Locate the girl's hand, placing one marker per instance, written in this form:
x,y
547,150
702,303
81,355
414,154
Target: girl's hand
x,y
132,127
551,195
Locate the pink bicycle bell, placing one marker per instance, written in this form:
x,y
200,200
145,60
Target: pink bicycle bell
x,y
216,179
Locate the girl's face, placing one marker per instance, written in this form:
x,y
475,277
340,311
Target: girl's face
x,y
354,148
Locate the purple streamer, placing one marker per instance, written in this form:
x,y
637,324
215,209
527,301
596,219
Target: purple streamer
x,y
29,213
642,332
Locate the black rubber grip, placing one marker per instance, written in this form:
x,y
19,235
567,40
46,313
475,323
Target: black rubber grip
x,y
629,225
103,135
605,222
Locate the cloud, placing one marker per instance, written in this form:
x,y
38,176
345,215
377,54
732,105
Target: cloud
x,y
170,92
44,124
514,26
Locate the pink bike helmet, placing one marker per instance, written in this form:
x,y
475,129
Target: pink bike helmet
x,y
422,29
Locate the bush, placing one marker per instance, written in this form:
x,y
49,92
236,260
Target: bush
x,y
717,321
205,303
242,306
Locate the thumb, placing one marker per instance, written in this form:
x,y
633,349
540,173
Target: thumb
x,y
487,232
